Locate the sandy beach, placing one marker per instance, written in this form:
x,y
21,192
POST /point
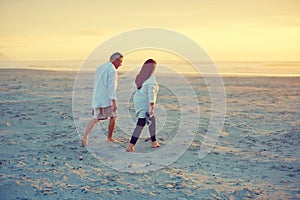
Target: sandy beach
x,y
256,157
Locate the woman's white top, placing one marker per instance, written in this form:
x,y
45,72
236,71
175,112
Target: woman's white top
x,y
145,95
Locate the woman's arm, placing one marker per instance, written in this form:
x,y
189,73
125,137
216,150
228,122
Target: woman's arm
x,y
151,109
152,92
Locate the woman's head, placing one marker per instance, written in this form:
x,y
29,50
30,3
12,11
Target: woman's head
x,y
149,65
150,61
147,70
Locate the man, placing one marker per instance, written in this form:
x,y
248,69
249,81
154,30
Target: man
x,y
104,102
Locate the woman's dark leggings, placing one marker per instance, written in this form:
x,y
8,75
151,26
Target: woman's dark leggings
x,y
139,127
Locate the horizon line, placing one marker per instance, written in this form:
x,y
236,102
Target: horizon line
x,y
223,75
82,60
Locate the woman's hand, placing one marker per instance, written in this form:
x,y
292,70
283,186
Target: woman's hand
x,y
151,109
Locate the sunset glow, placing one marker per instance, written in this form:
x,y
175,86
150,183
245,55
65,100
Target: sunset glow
x,y
228,30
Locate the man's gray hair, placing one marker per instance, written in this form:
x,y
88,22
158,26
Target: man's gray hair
x,y
115,56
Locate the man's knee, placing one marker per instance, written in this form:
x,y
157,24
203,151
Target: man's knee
x,y
141,122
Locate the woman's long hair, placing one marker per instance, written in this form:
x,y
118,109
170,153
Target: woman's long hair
x,y
146,71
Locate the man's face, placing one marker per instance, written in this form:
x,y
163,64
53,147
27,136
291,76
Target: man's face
x,y
118,62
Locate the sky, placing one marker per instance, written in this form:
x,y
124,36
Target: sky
x,y
228,30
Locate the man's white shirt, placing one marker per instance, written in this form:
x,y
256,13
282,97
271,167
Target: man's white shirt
x,y
105,85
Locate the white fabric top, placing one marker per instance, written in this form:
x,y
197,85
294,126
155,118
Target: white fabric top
x,y
147,94
105,85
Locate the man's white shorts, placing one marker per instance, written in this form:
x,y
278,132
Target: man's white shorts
x,y
104,113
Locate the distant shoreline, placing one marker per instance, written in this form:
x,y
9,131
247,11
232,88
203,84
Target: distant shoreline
x,y
223,75
224,68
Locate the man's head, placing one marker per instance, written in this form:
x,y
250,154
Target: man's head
x,y
116,59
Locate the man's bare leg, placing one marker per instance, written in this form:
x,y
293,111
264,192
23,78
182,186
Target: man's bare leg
x,y
90,126
111,128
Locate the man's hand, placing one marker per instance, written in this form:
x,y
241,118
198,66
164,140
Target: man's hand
x,y
113,105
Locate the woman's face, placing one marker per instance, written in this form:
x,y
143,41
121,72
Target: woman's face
x,y
154,66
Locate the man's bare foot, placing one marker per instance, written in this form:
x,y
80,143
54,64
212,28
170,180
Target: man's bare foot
x,y
112,140
84,142
155,144
130,148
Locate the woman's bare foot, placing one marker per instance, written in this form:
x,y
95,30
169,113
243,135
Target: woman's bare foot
x,y
155,144
130,148
84,142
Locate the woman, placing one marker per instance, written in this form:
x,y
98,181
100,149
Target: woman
x,y
144,102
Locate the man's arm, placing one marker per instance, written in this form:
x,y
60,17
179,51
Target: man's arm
x,y
114,105
112,87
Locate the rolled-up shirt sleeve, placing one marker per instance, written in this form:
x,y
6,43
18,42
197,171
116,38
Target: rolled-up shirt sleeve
x,y
152,92
112,84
